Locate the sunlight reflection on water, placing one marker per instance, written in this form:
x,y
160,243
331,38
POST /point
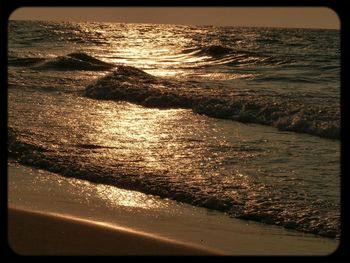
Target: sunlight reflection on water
x,y
136,131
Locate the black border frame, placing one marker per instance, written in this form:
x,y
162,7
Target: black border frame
x,y
339,6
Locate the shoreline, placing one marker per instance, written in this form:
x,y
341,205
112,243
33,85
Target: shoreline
x,y
92,206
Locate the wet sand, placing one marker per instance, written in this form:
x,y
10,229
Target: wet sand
x,y
53,215
34,233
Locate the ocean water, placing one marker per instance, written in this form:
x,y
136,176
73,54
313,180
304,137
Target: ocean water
x,y
240,120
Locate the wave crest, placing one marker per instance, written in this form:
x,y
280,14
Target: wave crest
x,y
215,51
134,85
229,56
72,61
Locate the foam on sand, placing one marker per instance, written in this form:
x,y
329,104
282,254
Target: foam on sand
x,y
40,198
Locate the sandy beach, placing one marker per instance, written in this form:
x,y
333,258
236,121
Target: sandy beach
x,y
53,215
34,233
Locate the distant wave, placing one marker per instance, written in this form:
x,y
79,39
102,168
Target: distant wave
x,y
214,50
228,56
20,62
72,61
291,79
283,112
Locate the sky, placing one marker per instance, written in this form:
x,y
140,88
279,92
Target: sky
x,y
295,17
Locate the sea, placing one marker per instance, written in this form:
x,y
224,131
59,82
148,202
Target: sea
x,y
243,120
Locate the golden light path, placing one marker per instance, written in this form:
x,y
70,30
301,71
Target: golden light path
x,y
136,131
119,197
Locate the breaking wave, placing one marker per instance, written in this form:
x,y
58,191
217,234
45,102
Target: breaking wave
x,y
280,111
